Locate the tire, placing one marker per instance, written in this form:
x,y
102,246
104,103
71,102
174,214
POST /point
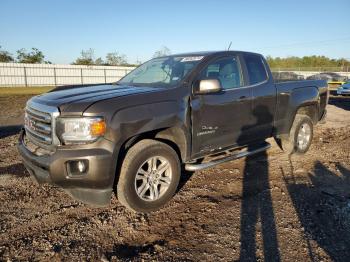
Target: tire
x,y
296,144
138,186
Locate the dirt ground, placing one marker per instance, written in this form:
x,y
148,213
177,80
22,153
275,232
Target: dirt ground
x,y
267,207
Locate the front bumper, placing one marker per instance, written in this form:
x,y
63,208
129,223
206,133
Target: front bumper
x,y
95,186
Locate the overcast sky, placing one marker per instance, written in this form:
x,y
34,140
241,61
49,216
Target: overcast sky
x,y
137,28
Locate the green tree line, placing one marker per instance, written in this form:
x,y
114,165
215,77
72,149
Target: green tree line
x,y
87,57
306,61
34,56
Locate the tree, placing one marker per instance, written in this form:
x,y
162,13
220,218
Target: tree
x,y
5,57
99,61
114,59
86,57
306,61
163,51
138,62
33,57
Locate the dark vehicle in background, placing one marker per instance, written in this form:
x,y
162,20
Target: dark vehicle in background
x,y
329,77
286,76
187,111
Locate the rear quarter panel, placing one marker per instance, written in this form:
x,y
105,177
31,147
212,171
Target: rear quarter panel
x,y
291,96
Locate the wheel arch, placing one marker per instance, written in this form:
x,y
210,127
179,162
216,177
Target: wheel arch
x,y
172,136
302,100
310,110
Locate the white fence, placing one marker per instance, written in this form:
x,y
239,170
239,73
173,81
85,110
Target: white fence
x,y
16,74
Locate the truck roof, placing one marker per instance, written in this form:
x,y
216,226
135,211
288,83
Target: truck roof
x,y
206,53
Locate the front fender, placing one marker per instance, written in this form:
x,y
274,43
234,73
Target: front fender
x,y
139,119
168,118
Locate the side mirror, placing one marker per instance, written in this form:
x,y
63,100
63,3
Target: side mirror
x,y
209,86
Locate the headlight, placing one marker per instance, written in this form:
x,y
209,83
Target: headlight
x,y
80,130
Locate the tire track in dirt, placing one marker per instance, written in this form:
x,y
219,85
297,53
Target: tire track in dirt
x,y
52,221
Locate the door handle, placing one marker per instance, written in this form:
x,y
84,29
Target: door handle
x,y
242,98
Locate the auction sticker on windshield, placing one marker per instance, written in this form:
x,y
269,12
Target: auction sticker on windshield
x,y
191,58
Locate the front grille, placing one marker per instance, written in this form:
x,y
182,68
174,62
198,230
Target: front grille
x,y
39,123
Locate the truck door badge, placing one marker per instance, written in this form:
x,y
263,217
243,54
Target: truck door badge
x,y
207,130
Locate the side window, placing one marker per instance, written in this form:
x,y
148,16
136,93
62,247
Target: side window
x,y
256,69
227,70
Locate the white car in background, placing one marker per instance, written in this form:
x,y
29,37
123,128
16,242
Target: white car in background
x,y
344,89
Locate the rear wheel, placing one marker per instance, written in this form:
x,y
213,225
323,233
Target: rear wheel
x,y
300,135
149,176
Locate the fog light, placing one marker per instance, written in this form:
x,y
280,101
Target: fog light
x,y
81,166
77,167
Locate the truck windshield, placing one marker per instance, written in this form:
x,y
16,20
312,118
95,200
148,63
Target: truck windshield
x,y
161,72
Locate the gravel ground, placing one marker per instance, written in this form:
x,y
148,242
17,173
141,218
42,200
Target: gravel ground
x,y
267,207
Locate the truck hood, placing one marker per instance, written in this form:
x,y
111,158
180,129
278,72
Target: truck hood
x,y
83,97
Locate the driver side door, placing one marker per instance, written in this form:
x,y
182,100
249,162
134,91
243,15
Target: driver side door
x,y
219,119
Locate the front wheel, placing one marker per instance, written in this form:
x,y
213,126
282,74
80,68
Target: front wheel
x,y
149,176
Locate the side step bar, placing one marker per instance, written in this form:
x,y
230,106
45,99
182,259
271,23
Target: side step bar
x,y
197,167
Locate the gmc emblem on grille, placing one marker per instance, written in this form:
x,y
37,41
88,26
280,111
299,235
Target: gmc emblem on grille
x,y
30,123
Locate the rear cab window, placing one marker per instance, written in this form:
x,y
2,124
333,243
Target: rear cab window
x,y
255,68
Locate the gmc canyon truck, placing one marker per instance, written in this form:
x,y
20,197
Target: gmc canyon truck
x,y
174,113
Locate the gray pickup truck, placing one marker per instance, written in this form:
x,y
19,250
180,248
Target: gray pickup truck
x,y
174,113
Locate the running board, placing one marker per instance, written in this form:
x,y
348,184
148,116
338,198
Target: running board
x,y
197,167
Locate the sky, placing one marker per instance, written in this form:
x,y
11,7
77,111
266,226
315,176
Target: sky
x,y
138,28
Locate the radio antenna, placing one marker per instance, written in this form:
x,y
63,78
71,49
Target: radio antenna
x,y
229,46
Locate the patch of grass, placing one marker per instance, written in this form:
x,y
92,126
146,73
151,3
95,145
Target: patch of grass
x,y
8,91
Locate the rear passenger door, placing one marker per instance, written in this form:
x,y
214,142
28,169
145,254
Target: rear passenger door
x,y
263,96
